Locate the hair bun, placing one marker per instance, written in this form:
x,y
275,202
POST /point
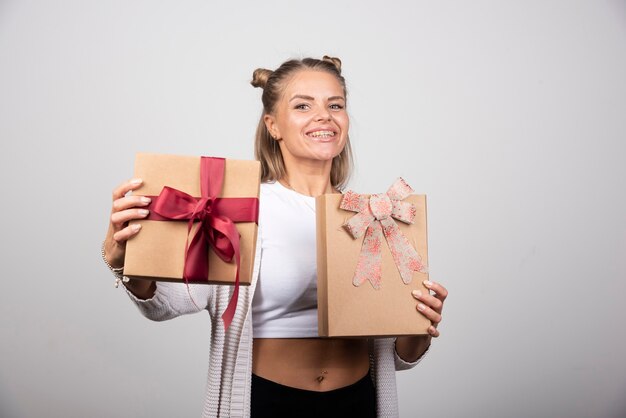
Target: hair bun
x,y
334,61
260,76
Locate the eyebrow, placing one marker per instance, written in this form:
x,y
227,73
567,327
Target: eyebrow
x,y
305,97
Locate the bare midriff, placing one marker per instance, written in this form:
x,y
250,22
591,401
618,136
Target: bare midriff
x,y
311,363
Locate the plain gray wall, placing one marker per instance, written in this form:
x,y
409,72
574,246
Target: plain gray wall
x,y
509,115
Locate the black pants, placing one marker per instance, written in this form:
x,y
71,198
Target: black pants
x,y
271,399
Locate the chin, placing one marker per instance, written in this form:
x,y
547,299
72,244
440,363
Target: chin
x,y
328,153
327,157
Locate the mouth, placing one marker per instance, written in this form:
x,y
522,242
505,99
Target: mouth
x,y
321,135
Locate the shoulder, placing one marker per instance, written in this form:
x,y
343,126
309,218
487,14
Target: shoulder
x,y
270,188
271,194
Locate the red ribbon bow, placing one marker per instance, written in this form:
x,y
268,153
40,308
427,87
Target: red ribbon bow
x,y
375,218
217,217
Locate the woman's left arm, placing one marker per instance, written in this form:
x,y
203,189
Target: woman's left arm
x,y
410,349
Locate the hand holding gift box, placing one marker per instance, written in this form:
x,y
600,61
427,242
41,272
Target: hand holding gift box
x,y
202,224
371,247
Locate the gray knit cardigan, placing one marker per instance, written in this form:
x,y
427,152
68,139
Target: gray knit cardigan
x,y
230,361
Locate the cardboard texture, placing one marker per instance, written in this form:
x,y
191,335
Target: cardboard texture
x,y
157,252
345,310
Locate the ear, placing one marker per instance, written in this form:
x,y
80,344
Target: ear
x,y
272,126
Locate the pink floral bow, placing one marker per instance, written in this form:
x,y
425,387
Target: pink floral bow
x,y
374,218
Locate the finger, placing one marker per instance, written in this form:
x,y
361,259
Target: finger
x,y
118,219
122,189
125,234
428,299
440,292
432,315
130,202
433,331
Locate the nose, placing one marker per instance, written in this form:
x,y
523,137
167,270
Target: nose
x,y
323,114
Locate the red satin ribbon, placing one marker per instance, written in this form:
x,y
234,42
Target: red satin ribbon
x,y
217,217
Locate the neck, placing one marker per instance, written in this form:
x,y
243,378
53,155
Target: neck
x,y
308,188
310,181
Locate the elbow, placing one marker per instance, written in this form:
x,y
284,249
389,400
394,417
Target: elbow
x,y
156,312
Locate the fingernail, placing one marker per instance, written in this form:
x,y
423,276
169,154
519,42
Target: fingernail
x,y
136,227
144,212
145,199
421,306
427,283
417,293
136,181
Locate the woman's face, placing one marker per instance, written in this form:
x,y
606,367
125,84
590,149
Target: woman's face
x,y
310,119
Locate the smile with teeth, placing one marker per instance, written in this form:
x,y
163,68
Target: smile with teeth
x,y
321,134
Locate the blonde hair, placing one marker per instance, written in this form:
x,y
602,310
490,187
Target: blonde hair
x,y
266,148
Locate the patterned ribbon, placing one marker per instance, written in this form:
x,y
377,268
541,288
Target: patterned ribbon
x,y
217,217
375,218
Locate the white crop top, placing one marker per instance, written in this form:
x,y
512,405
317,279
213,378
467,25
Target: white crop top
x,y
285,299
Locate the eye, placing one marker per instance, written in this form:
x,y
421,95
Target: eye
x,y
302,106
336,106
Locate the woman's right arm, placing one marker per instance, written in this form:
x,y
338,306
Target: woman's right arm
x,y
125,209
158,302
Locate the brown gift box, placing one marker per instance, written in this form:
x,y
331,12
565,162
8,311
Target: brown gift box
x,y
157,252
345,310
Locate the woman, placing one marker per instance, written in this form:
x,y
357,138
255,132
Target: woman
x,y
303,145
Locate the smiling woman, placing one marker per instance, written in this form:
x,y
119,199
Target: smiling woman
x,y
310,121
312,95
303,145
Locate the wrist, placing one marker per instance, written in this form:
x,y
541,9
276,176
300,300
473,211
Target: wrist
x,y
118,272
112,255
410,349
141,289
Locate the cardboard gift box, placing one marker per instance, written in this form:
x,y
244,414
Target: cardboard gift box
x,y
358,293
158,251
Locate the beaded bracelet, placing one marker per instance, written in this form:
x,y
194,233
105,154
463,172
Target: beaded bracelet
x,y
117,271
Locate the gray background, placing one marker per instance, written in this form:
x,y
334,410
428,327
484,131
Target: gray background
x,y
509,115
